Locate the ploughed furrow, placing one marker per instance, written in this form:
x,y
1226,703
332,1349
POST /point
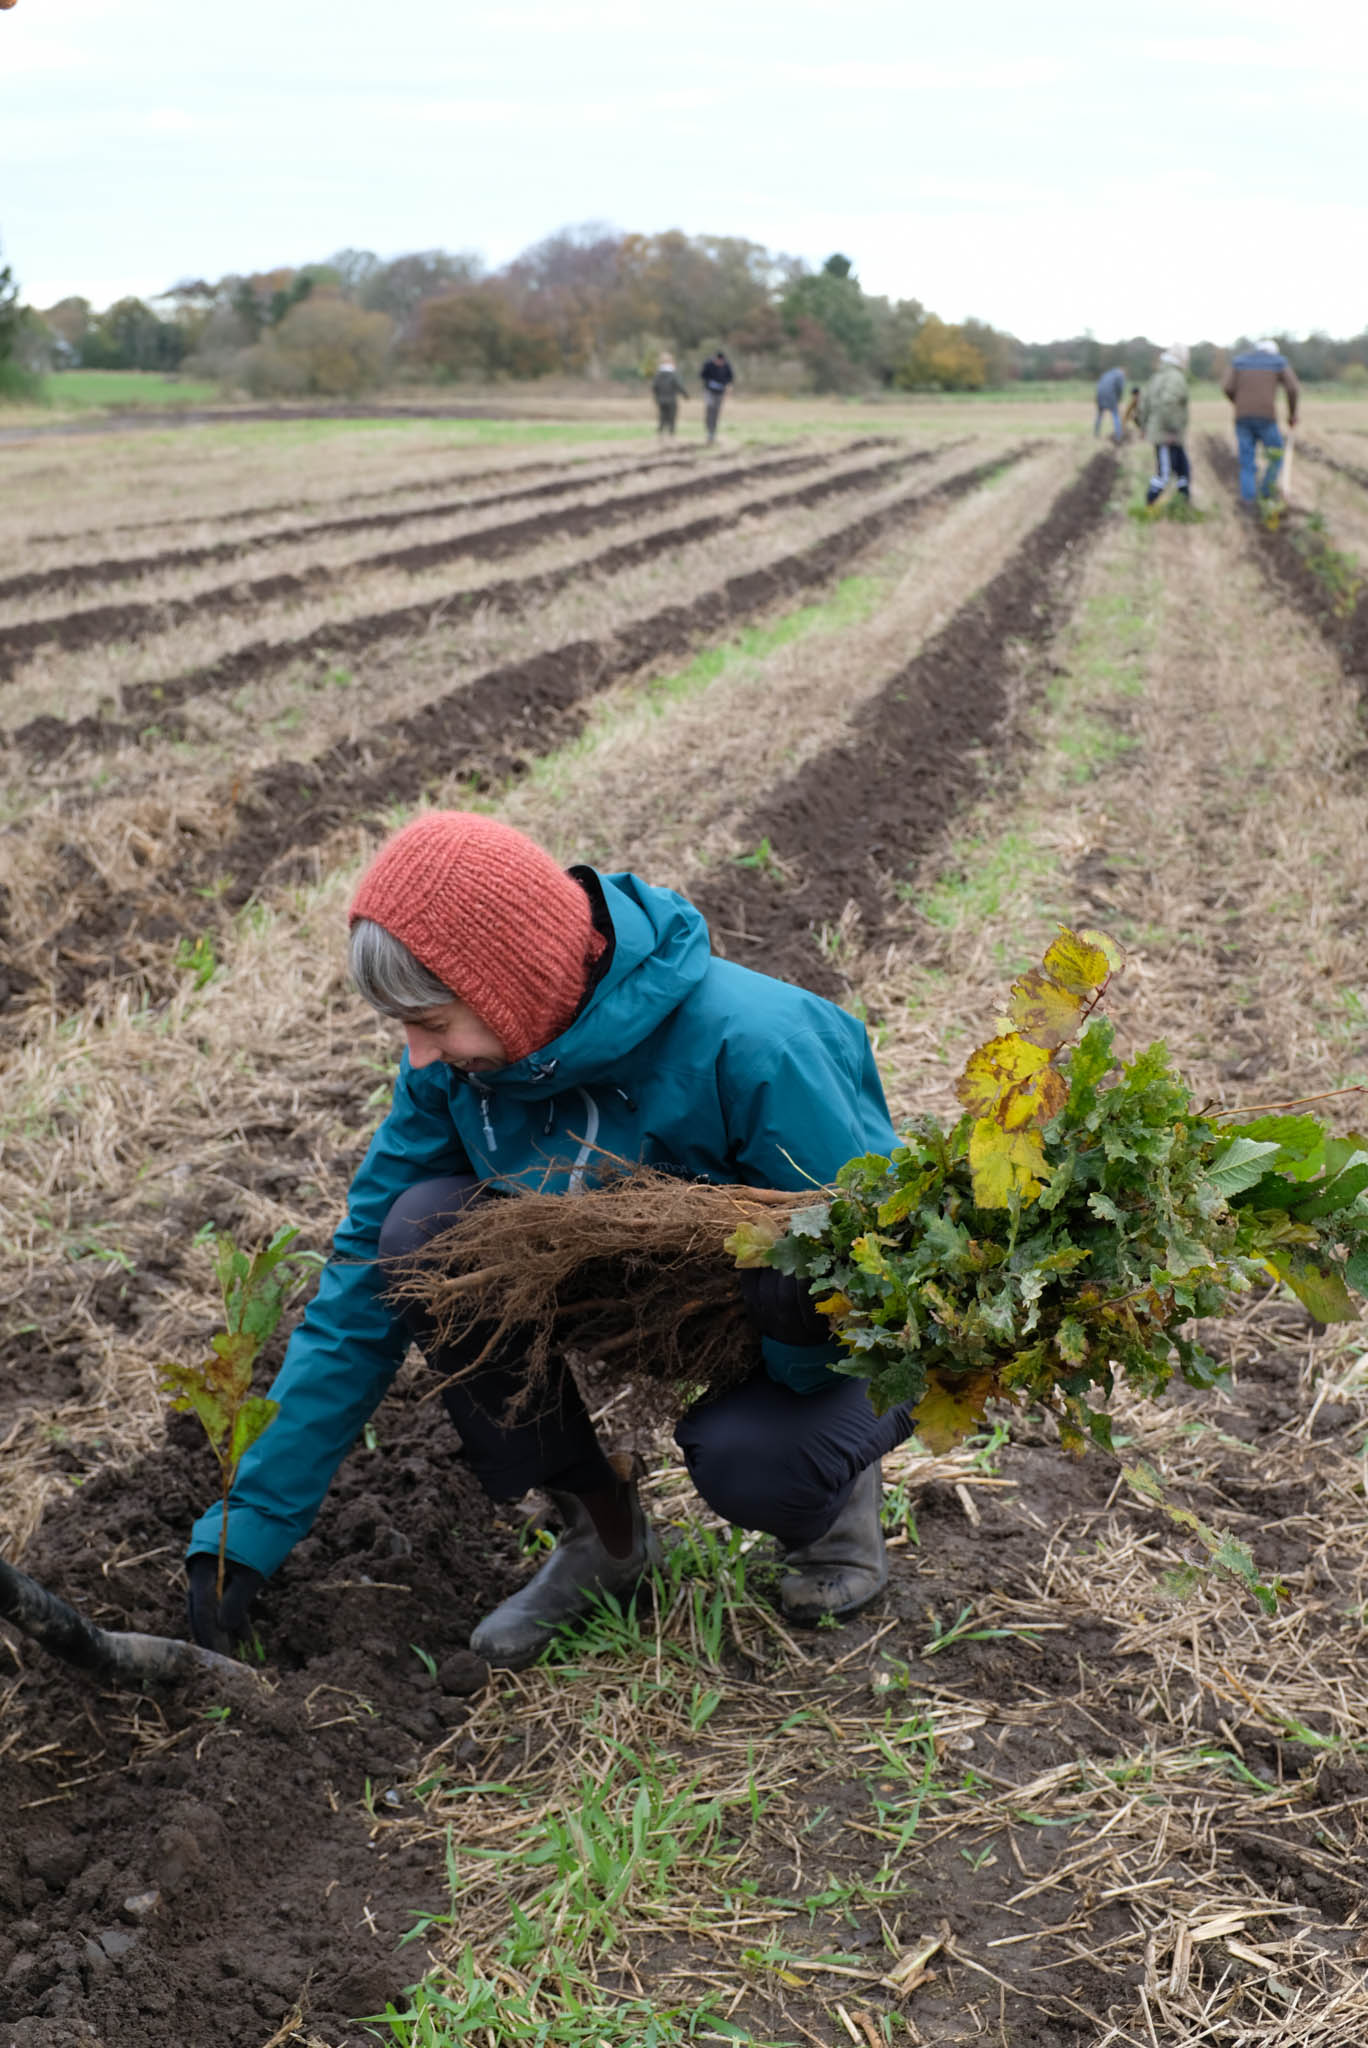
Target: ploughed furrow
x,y
137,621
1328,461
47,737
489,729
503,472
850,821
1300,563
129,568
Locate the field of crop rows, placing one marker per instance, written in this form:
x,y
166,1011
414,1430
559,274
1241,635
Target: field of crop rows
x,y
888,702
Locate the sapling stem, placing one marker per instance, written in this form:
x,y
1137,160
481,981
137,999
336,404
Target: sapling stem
x,y
1297,1102
254,1291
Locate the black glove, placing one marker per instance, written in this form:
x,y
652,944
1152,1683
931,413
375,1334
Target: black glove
x,y
214,1624
781,1306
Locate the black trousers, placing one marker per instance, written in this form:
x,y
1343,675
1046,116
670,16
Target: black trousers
x,y
761,1455
1170,463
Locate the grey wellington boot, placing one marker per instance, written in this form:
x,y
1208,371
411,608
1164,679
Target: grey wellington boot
x,y
520,1628
845,1569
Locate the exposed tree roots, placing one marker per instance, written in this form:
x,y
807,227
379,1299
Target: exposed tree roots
x,y
631,1273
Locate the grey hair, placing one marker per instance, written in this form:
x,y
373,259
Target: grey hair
x,y
388,976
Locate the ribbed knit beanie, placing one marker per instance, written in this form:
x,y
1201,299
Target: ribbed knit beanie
x,y
489,913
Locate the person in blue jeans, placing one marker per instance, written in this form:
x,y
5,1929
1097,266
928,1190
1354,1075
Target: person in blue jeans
x,y
1251,384
1111,389
552,1020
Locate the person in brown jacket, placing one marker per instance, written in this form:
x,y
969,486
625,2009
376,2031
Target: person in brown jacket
x,y
1251,384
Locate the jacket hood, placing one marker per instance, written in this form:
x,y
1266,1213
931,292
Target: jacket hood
x,y
661,951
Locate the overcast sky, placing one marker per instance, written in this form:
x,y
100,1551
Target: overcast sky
x,y
1185,170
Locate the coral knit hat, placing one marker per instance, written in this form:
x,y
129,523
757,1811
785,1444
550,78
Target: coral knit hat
x,y
492,916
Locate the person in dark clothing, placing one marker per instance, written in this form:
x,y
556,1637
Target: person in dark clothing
x,y
555,1020
1111,387
716,374
667,391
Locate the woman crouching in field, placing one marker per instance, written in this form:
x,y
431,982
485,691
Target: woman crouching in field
x,y
551,1018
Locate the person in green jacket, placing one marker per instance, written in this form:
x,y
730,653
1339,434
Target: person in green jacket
x,y
552,1019
1163,418
667,391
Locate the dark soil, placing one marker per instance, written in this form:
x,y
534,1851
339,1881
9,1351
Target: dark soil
x,y
68,576
47,738
246,1828
498,471
854,819
128,568
1286,553
1328,461
136,621
174,1877
487,729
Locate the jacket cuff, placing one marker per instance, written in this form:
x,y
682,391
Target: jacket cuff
x,y
253,1538
804,1367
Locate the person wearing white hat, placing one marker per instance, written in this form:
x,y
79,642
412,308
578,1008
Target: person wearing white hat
x,y
1163,419
1251,384
667,390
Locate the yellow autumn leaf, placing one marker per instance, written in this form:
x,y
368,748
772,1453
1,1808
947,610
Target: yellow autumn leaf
x,y
1043,1010
751,1243
949,1411
1105,944
1077,964
834,1305
1005,1162
1012,1081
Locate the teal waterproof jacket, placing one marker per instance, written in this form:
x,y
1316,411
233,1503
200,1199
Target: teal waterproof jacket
x,y
676,1059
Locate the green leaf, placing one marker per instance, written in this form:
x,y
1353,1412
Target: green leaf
x,y
192,1395
1092,1057
252,1420
1243,1162
810,1222
235,1352
1356,1270
1296,1137
1226,1552
1326,1199
1320,1290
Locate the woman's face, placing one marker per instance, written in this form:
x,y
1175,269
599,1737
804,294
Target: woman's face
x,y
452,1033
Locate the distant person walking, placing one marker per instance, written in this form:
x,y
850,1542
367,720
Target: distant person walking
x,y
668,391
1163,419
1131,416
716,374
1111,389
1251,385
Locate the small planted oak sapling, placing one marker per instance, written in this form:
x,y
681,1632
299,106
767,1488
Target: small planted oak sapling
x,y
254,1290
